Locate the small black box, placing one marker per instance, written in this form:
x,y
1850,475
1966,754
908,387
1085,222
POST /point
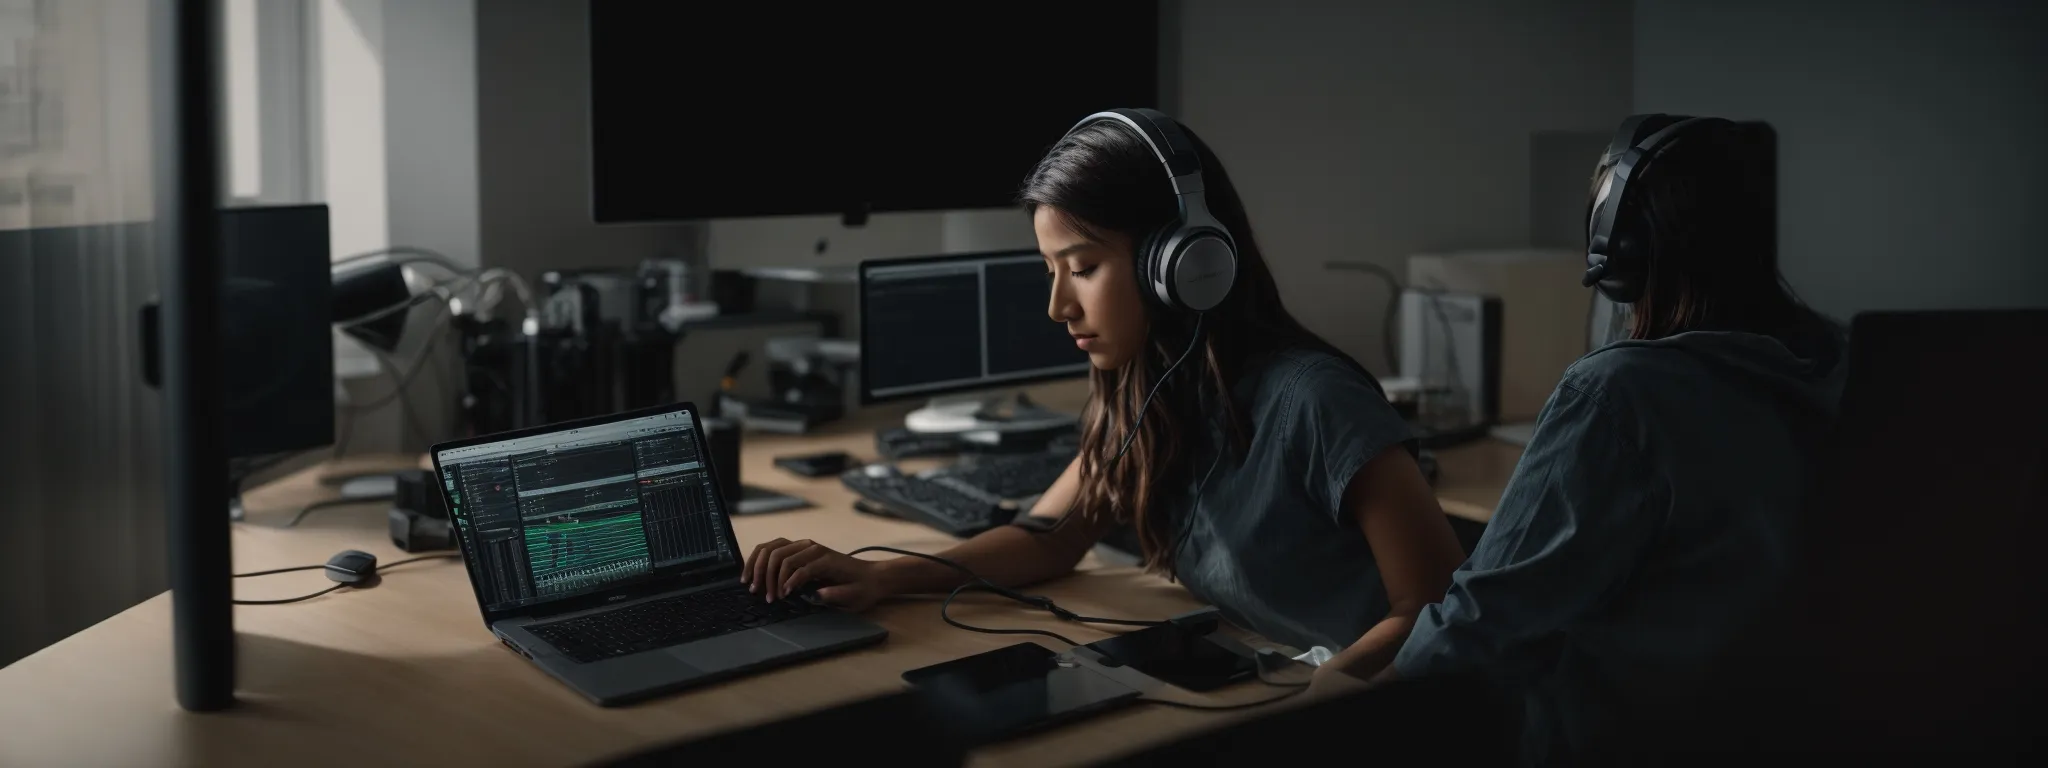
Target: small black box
x,y
417,492
722,442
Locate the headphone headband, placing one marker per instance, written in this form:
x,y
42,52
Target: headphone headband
x,y
1165,138
1616,255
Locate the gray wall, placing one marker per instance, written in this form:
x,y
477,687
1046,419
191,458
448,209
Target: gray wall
x,y
1911,170
1374,130
533,146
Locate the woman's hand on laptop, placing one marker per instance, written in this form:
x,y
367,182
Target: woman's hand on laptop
x,y
780,568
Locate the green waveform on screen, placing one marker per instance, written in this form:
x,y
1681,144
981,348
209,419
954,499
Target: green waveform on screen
x,y
567,556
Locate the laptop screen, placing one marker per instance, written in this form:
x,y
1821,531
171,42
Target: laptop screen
x,y
572,512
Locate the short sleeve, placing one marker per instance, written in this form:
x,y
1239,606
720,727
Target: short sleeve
x,y
1334,421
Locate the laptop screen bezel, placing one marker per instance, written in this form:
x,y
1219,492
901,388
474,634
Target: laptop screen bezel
x,y
652,584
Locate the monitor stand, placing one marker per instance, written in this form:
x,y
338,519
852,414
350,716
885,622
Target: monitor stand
x,y
1010,411
371,487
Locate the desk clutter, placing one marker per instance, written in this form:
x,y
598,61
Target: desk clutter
x,y
565,597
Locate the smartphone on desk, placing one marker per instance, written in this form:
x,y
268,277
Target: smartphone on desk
x,y
827,464
1178,656
1009,692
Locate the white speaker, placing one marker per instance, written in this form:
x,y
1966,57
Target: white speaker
x,y
1450,349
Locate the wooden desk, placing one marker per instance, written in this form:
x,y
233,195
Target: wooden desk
x,y
405,673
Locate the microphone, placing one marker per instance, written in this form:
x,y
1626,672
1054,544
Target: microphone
x,y
1593,275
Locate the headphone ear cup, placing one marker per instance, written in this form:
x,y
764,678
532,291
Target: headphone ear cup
x,y
1151,264
1623,282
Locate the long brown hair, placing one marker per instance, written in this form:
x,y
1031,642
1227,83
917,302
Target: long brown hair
x,y
1101,179
1710,207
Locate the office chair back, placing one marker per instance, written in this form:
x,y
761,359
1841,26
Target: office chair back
x,y
1917,623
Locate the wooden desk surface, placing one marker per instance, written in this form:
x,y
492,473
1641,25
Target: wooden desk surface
x,y
406,673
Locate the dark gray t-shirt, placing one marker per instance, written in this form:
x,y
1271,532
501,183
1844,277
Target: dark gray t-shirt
x,y
1270,544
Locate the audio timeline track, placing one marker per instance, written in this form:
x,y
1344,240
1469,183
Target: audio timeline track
x,y
679,524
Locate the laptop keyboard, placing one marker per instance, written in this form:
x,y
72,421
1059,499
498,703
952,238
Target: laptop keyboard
x,y
665,622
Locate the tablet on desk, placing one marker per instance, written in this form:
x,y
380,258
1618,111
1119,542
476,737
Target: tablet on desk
x,y
1012,691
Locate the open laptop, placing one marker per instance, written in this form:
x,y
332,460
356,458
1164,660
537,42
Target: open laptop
x,y
602,550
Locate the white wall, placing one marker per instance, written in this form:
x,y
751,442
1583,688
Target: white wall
x,y
1912,173
394,91
349,58
1375,130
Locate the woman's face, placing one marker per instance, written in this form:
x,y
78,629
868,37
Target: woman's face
x,y
1094,290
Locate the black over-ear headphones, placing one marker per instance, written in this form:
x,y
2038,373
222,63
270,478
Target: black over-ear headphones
x,y
1618,251
1191,262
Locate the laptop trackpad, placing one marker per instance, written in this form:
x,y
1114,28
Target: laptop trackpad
x,y
735,650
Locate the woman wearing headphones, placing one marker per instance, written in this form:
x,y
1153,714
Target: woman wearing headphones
x,y
1654,511
1258,465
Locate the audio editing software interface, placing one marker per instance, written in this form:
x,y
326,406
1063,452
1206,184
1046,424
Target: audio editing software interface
x,y
570,512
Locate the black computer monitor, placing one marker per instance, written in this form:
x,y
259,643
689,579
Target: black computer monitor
x,y
948,324
822,95
277,347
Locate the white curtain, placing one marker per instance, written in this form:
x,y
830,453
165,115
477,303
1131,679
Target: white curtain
x,y
81,529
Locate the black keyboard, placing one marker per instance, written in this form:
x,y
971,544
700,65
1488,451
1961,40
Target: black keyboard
x,y
1019,476
665,622
967,498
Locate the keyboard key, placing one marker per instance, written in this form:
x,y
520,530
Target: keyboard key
x,y
663,623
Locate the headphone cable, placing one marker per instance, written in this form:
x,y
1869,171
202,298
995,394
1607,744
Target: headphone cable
x,y
1193,342
977,582
1046,603
1038,601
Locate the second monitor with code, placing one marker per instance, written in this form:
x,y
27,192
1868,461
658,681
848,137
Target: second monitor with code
x,y
962,330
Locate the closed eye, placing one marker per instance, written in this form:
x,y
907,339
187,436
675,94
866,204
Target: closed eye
x,y
1083,273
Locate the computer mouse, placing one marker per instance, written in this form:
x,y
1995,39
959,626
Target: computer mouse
x,y
352,566
881,469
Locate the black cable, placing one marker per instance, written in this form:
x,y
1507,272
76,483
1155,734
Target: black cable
x,y
279,570
1036,601
342,501
1193,342
442,556
1039,601
404,378
1226,707
291,599
976,581
945,615
1188,526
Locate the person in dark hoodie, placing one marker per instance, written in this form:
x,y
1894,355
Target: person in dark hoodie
x,y
1655,509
